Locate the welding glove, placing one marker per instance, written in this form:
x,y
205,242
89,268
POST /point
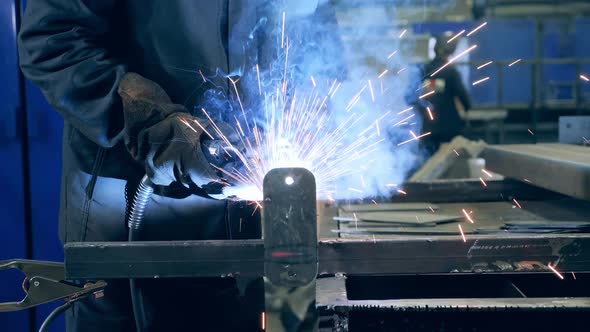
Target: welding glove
x,y
172,144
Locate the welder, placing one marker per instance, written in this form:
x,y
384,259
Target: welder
x,y
127,77
450,98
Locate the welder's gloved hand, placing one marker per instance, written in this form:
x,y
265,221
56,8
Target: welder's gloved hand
x,y
165,137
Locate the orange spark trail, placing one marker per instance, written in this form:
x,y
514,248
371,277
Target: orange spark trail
x,y
481,81
429,113
555,271
259,84
467,216
402,192
516,202
456,36
514,62
283,32
462,234
487,173
453,59
414,139
476,29
426,94
202,76
406,110
483,182
484,65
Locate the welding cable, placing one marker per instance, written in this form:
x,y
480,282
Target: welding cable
x,y
140,200
53,315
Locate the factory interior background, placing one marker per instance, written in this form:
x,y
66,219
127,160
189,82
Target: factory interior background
x,y
533,89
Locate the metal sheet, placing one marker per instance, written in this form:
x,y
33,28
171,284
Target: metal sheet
x,y
332,296
443,254
558,167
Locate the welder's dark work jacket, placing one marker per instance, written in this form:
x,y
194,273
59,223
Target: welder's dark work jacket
x,y
449,90
76,51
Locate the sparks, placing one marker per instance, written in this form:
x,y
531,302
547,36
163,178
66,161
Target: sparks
x,y
476,29
399,71
481,81
585,78
527,180
462,234
487,173
283,32
467,216
392,54
514,62
259,84
312,81
406,110
431,209
483,182
402,192
414,139
457,153
531,132
430,113
202,76
555,271
355,190
371,90
426,94
383,73
516,202
453,59
263,320
574,275
374,202
456,36
485,65
403,33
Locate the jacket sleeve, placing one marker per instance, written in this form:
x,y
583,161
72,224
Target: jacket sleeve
x,y
63,48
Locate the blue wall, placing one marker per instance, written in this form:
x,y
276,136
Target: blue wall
x,y
511,39
44,156
12,209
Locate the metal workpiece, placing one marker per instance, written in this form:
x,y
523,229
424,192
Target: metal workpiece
x,y
289,221
333,296
403,255
558,167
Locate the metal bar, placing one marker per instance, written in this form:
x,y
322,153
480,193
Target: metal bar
x,y
332,296
452,191
558,167
441,254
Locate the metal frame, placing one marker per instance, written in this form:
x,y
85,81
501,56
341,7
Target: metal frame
x,y
439,254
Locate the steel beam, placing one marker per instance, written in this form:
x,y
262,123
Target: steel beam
x,y
444,254
558,167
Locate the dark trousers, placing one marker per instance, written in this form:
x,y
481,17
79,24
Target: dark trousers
x,y
179,304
